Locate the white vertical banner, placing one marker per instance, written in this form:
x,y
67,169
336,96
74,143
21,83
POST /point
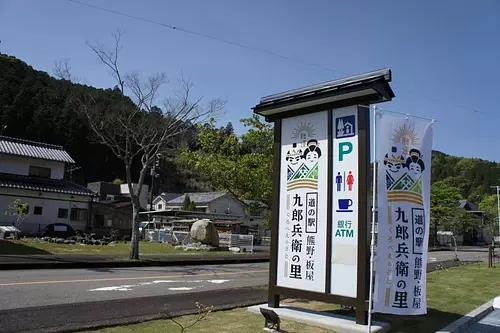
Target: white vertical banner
x,y
344,265
403,193
303,202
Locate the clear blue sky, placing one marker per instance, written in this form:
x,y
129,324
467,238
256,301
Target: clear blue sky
x,y
443,54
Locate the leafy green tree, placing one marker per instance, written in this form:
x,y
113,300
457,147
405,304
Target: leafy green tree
x,y
188,204
446,214
241,165
18,209
489,206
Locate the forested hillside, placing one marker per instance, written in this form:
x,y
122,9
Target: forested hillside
x,y
472,176
36,106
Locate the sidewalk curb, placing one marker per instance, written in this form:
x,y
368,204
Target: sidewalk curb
x,y
141,263
469,319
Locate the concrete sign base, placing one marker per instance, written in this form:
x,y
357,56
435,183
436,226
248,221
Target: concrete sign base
x,y
326,320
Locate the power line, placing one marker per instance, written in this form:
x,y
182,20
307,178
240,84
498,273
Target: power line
x,y
226,41
248,47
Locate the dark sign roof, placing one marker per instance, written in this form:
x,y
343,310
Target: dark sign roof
x,y
371,87
42,185
20,147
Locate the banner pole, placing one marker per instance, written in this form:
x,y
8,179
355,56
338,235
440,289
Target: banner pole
x,y
372,243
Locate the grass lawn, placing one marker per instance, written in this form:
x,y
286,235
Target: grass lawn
x,y
451,293
31,246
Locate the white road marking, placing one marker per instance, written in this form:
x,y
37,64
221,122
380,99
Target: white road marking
x,y
181,288
130,287
218,281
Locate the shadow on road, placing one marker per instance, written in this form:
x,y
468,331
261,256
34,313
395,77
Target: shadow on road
x,y
8,247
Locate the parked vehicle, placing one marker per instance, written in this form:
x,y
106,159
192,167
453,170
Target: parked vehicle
x,y
9,231
58,230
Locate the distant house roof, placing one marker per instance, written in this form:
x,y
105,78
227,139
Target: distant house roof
x,y
467,205
20,147
44,185
198,198
167,196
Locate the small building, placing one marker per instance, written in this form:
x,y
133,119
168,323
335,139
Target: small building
x,y
207,202
112,219
33,172
107,191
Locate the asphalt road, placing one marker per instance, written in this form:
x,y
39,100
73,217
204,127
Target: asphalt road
x,y
64,300
37,288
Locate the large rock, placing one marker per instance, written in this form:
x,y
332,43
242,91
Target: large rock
x,y
205,232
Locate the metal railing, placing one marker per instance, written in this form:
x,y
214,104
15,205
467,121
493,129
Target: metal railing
x,y
235,240
244,242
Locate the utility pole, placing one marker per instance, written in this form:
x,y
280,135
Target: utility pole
x,y
154,175
498,206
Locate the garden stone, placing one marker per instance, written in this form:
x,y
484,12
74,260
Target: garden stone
x,y
205,232
66,241
59,241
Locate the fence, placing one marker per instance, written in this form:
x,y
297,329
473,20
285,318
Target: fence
x,y
241,241
230,240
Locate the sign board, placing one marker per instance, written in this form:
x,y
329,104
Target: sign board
x,y
319,217
303,202
344,258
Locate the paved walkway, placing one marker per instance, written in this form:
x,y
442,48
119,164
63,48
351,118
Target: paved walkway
x,y
489,324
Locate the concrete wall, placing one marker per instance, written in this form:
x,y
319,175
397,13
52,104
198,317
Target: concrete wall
x,y
143,198
50,203
220,205
19,165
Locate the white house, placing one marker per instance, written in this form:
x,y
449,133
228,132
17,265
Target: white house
x,y
33,172
207,202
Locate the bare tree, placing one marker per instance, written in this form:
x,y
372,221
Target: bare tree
x,y
134,128
203,312
62,70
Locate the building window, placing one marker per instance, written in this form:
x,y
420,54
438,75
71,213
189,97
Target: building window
x,y
160,206
39,172
62,213
37,210
99,221
108,221
78,214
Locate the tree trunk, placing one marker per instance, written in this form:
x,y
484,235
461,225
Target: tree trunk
x,y
134,243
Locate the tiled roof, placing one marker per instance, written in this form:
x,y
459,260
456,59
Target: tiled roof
x,y
20,147
43,185
199,198
167,196
467,205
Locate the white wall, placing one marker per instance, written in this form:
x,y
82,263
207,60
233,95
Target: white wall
x,y
220,205
143,198
159,202
50,203
19,165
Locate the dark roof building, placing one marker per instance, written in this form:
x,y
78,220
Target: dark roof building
x,y
42,185
44,151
